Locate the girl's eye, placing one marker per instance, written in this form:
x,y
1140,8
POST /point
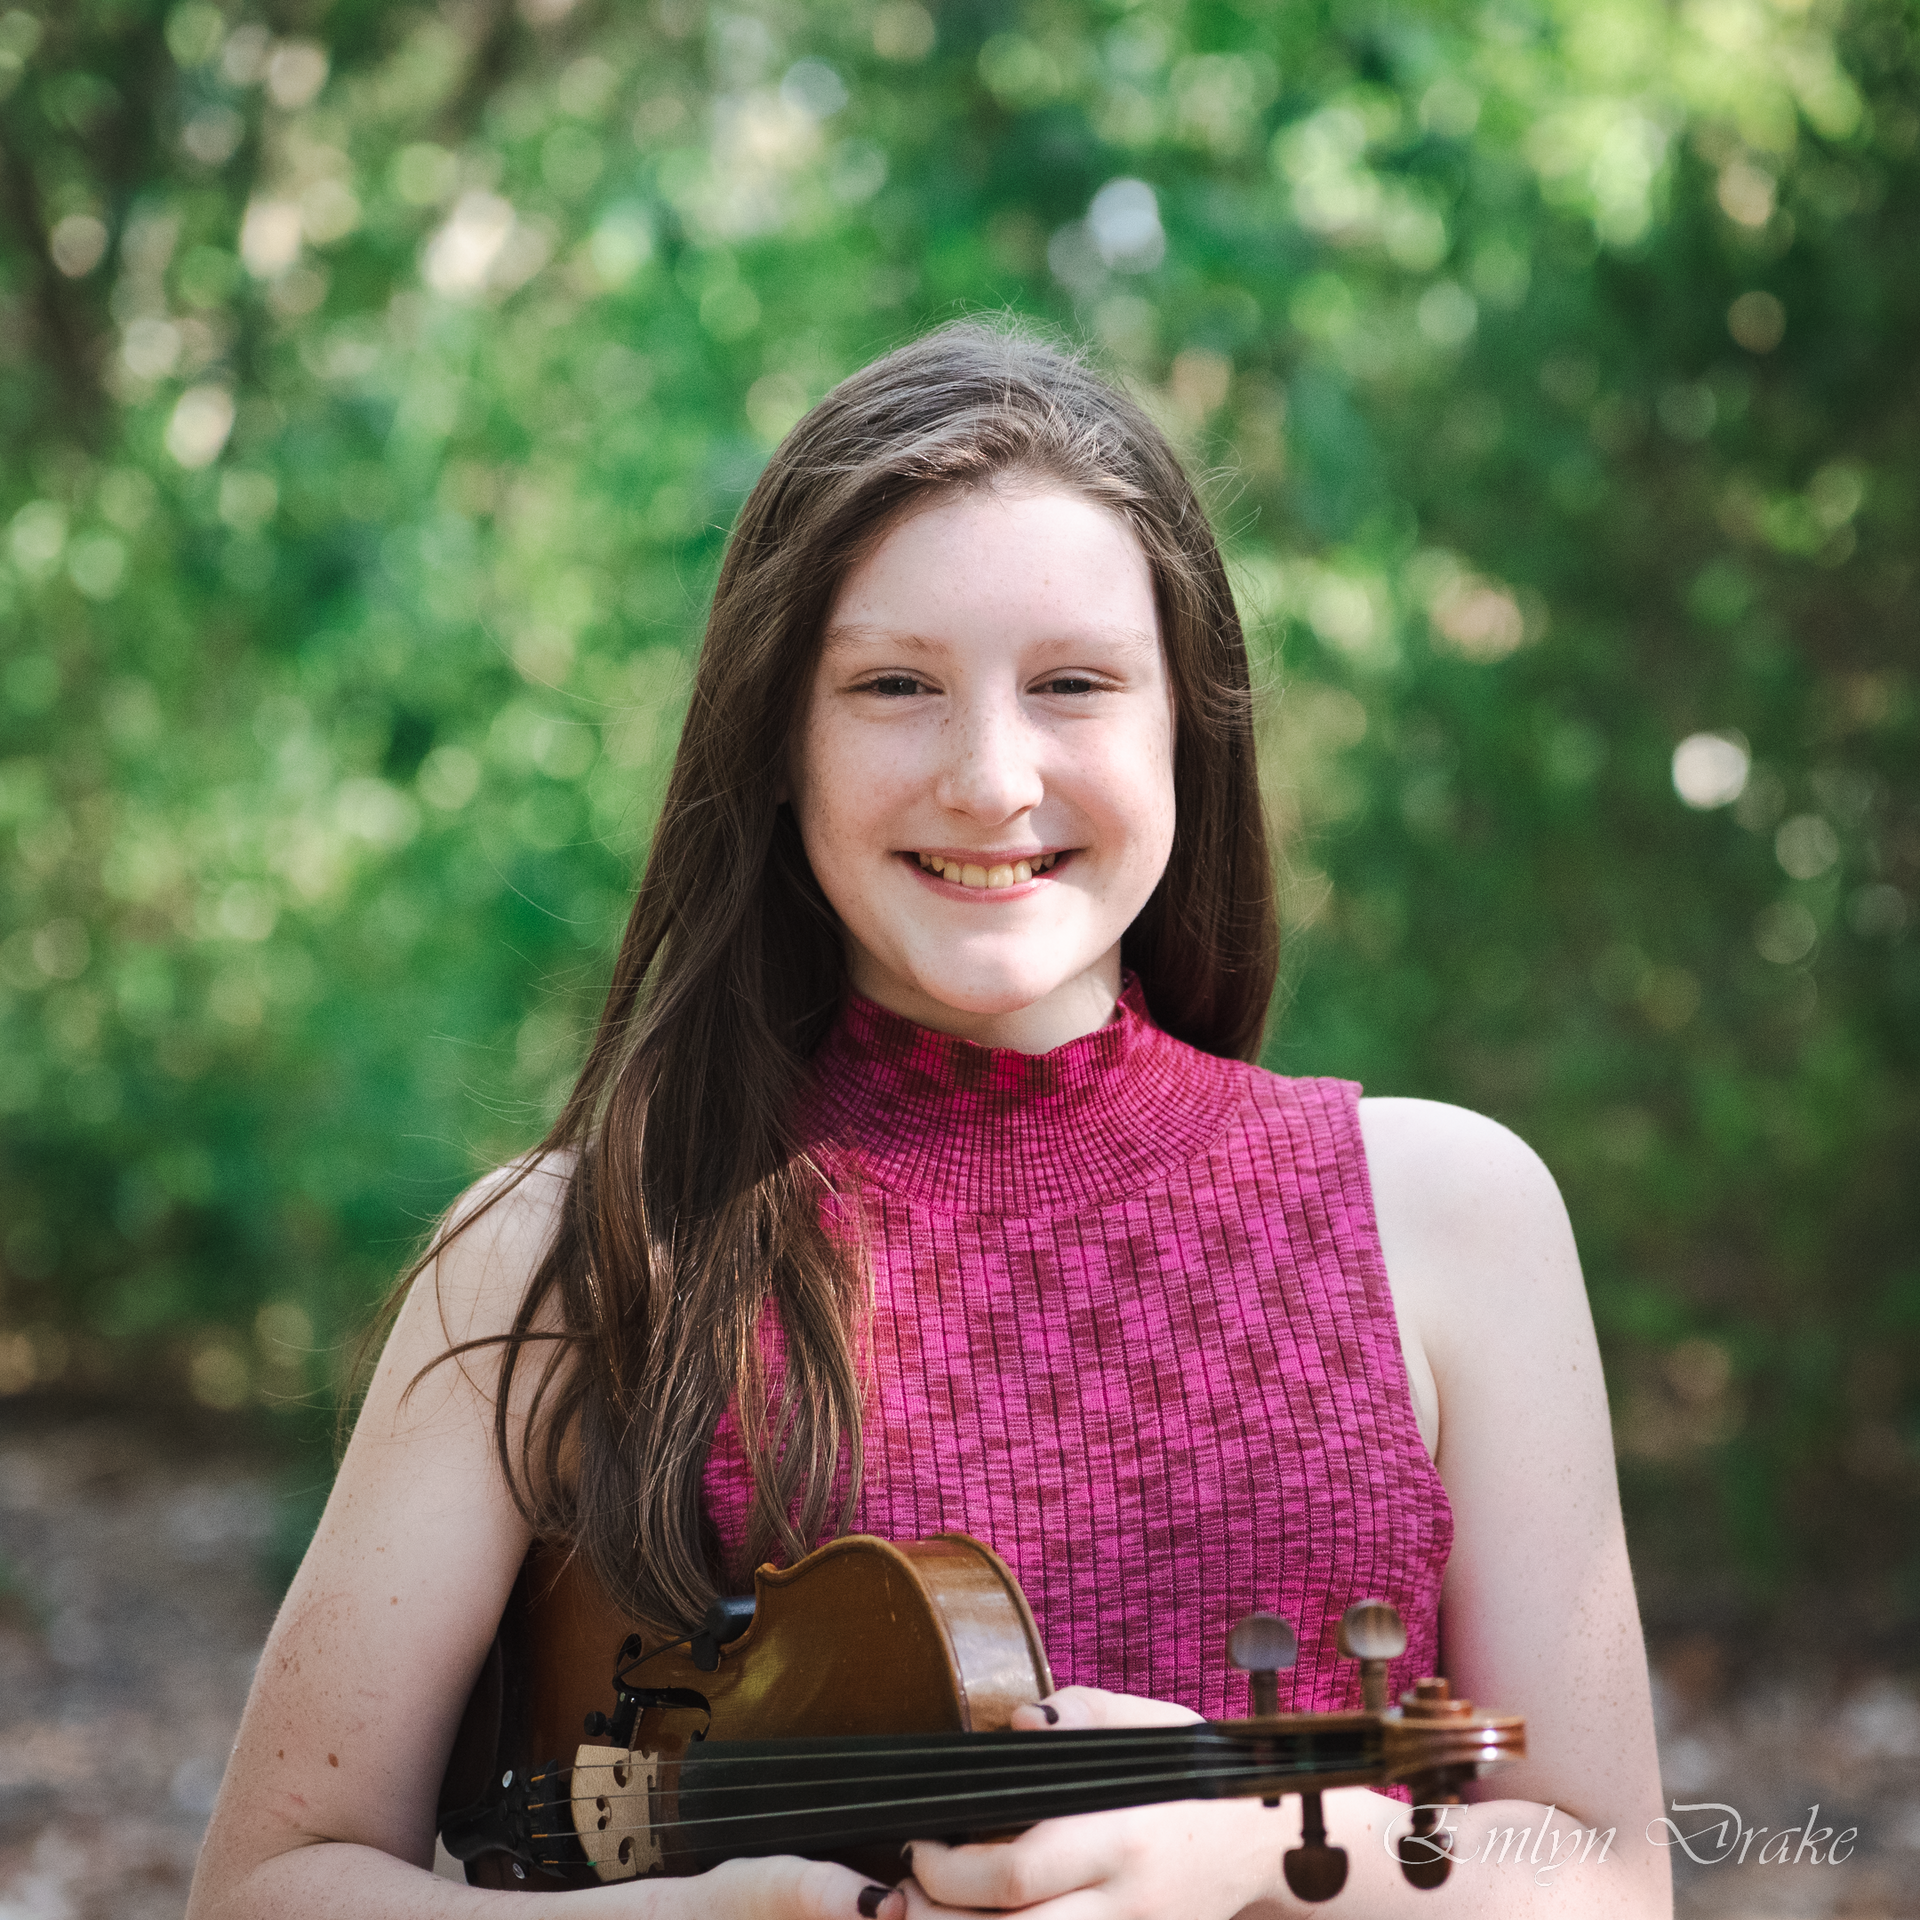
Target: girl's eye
x,y
895,685
1068,683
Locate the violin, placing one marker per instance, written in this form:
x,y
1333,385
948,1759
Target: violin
x,y
860,1699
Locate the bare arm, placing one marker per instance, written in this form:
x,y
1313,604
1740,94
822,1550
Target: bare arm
x,y
1538,1612
327,1809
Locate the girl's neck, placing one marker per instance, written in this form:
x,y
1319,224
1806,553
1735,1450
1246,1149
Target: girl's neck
x,y
1072,1010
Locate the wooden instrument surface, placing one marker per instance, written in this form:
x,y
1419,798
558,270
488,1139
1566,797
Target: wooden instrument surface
x,y
961,1651
867,1702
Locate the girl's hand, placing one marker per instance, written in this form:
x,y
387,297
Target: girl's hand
x,y
1187,1857
776,1889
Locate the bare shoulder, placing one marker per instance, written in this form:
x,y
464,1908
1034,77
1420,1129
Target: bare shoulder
x,y
1470,1219
1448,1164
1454,1194
487,1247
1477,1243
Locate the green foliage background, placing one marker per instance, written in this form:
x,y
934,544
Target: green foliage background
x,y
379,380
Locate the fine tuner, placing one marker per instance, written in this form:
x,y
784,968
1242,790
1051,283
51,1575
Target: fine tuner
x,y
1263,1646
861,1698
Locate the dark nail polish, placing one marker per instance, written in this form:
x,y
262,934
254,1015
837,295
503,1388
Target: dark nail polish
x,y
870,1898
1052,1713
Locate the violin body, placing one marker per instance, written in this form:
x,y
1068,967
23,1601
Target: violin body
x,y
861,1637
863,1699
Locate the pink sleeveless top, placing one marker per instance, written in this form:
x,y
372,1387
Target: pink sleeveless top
x,y
1131,1327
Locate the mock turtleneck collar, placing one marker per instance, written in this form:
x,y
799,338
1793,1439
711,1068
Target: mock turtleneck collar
x,y
987,1130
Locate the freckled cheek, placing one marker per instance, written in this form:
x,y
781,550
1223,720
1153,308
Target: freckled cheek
x,y
1131,793
847,795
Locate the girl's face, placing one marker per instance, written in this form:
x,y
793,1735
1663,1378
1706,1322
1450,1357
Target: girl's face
x,y
984,775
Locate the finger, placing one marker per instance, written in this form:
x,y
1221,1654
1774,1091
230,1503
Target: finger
x,y
922,1906
1078,1708
1035,1717
785,1888
1054,1858
1071,1708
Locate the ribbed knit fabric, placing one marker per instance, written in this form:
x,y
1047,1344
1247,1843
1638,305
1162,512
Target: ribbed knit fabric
x,y
1132,1328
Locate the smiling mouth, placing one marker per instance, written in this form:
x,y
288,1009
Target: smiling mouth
x,y
963,873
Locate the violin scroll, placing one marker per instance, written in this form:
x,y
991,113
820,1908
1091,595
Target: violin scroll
x,y
1434,1743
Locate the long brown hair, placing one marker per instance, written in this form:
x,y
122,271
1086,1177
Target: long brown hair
x,y
690,1206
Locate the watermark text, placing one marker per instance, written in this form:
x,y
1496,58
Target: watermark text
x,y
1715,1832
1543,1847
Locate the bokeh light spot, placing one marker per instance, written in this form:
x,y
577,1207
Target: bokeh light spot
x,y
1806,846
1124,222
77,244
903,30
1710,769
296,71
1757,321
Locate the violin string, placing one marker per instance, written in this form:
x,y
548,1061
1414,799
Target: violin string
x,y
1175,1755
1191,1758
954,1785
1038,1769
1083,1750
806,1754
1072,1748
897,1806
1039,1779
1175,1749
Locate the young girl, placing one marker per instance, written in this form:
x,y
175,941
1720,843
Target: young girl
x,y
917,1180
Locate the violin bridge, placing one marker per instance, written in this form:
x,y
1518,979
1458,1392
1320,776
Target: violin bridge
x,y
613,1811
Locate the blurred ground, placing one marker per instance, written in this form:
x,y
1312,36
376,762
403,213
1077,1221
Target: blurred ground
x,y
129,1623
131,1613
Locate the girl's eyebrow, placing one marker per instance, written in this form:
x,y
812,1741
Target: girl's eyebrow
x,y
841,637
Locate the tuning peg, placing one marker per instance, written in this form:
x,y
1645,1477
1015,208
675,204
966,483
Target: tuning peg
x,y
1315,1871
1263,1646
1426,1856
1370,1632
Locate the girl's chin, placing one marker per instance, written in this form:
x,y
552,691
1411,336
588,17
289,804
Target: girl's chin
x,y
960,998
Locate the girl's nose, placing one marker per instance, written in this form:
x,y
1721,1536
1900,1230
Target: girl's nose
x,y
990,767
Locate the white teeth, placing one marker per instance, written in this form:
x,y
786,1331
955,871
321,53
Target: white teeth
x,y
1022,873
999,877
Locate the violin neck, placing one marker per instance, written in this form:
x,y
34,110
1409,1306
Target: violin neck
x,y
814,1796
